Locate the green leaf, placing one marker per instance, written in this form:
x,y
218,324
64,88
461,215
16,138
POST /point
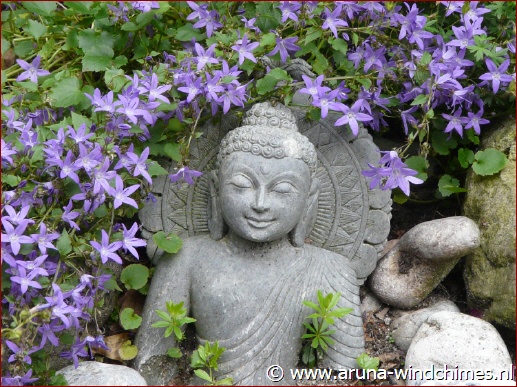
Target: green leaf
x,y
11,180
268,40
81,7
442,143
195,359
42,8
203,375
128,351
161,324
224,382
130,27
368,363
419,100
174,352
66,92
78,120
465,157
115,79
489,162
313,33
173,151
170,243
35,29
448,185
24,48
129,319
64,244
134,276
92,41
425,59
339,45
154,169
186,33
268,83
98,61
268,16
419,164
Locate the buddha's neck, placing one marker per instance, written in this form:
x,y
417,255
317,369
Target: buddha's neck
x,y
237,244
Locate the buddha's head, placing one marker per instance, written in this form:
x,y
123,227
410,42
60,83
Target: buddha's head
x,y
263,187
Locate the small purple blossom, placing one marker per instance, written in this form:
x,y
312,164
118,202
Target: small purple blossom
x,y
32,71
352,117
456,122
391,173
184,173
145,6
129,242
121,194
245,49
107,250
474,120
285,47
496,74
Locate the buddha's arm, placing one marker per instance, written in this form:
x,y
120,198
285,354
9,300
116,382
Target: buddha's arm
x,y
171,282
349,335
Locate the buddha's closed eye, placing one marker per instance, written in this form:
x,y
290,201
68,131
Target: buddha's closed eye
x,y
284,187
241,181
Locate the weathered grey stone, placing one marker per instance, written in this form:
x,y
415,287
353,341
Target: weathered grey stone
x,y
267,190
490,270
421,259
405,327
370,303
456,340
92,373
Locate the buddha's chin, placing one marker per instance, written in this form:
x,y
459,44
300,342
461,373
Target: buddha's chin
x,y
261,234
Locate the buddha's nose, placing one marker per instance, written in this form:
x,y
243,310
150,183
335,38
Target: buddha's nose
x,y
260,204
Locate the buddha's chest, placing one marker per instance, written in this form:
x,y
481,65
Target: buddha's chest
x,y
228,295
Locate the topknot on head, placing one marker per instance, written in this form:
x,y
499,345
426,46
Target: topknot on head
x,y
263,114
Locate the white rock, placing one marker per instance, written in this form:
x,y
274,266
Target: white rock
x,y
93,373
406,326
468,346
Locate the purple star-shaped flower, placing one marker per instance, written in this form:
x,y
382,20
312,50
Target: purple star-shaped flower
x,y
15,236
332,20
285,47
474,120
129,242
43,239
77,350
496,74
140,164
145,6
192,88
26,280
456,122
314,88
18,380
107,249
121,194
205,57
352,116
7,152
153,90
184,173
32,70
69,215
289,10
244,49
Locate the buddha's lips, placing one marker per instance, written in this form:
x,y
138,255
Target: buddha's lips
x,y
259,223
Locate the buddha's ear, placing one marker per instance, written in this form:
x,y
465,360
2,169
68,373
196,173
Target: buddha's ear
x,y
304,226
216,223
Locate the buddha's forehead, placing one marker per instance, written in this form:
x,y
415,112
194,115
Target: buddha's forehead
x,y
266,167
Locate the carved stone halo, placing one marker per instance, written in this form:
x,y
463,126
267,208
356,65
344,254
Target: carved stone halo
x,y
352,220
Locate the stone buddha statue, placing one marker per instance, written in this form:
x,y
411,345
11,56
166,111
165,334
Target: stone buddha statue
x,y
244,283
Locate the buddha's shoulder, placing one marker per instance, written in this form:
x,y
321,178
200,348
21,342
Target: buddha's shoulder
x,y
193,247
329,259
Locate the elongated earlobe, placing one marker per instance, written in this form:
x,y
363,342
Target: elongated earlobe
x,y
304,226
216,223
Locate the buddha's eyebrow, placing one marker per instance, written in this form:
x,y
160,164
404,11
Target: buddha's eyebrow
x,y
293,176
240,168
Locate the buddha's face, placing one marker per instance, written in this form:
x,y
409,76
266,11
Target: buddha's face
x,y
262,199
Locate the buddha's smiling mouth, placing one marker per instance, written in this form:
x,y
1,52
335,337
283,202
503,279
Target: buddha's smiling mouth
x,y
259,223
